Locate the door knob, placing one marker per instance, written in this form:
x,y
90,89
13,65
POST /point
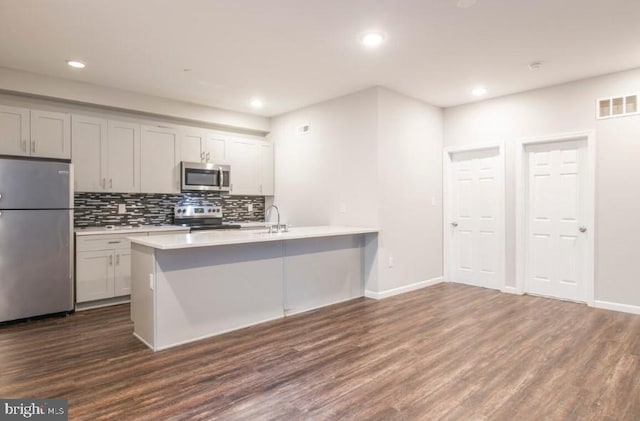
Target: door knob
x,y
454,224
583,229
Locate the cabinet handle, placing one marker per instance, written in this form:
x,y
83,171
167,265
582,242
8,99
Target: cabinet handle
x,y
201,156
114,242
24,145
111,260
104,183
207,156
230,188
33,146
111,183
117,259
260,188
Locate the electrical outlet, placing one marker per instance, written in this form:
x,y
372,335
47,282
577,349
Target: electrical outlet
x,y
390,262
122,208
250,207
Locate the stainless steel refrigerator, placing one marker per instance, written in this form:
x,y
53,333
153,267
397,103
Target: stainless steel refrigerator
x,y
36,228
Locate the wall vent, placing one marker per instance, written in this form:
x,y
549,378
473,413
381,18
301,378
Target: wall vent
x,y
303,129
617,107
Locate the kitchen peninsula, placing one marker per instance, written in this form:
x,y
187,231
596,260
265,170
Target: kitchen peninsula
x,y
187,287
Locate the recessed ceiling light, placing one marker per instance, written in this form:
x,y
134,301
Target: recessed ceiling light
x,y
257,103
465,4
76,64
479,91
372,39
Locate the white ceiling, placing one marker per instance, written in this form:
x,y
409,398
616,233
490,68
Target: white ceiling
x,y
293,53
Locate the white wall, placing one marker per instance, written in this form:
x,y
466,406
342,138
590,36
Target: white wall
x,y
567,108
15,81
378,153
333,165
410,173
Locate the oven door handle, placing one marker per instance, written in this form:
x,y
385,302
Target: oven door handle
x,y
221,171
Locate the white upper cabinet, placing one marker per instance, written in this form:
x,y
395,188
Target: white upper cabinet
x,y
106,155
265,169
123,157
251,167
89,143
215,148
244,173
198,145
36,133
14,131
159,160
50,134
192,145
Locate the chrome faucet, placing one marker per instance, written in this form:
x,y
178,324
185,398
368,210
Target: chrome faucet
x,y
278,226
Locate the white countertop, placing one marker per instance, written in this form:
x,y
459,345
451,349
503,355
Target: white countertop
x,y
220,238
254,224
127,230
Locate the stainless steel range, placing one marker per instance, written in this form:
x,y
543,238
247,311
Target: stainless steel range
x,y
200,218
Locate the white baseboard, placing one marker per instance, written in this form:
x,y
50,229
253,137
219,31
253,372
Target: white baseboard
x,y
625,308
401,290
511,290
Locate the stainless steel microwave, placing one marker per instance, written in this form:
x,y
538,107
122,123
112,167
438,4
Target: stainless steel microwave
x,y
196,176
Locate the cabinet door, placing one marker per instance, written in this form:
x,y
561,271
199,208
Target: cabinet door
x,y
14,131
244,172
122,273
89,144
265,165
191,146
215,149
123,157
159,158
94,275
50,134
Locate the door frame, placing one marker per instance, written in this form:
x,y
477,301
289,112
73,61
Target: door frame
x,y
521,206
447,206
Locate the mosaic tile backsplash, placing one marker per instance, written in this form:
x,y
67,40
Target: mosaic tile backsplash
x,y
100,209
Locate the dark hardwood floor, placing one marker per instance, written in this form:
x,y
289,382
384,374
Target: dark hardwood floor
x,y
445,352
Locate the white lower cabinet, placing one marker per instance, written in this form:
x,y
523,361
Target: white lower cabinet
x,y
103,265
94,275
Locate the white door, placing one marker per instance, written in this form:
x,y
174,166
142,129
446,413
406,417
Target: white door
x,y
14,131
50,134
123,152
159,158
89,144
475,226
555,246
